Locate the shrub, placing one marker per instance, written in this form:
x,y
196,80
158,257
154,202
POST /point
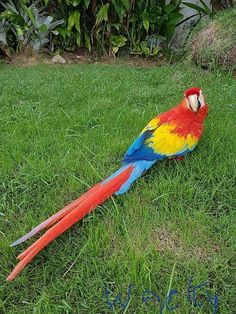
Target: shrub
x,y
98,25
23,26
107,26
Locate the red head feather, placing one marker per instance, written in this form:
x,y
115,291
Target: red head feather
x,y
192,91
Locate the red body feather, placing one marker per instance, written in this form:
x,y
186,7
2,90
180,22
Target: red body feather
x,y
187,121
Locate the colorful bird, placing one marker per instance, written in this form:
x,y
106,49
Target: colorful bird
x,y
171,134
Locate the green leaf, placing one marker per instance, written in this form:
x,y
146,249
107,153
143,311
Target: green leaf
x,y
78,39
62,32
71,22
207,9
87,41
195,7
155,51
30,13
77,20
174,17
117,26
115,49
43,28
146,24
169,8
118,41
86,3
6,14
74,3
119,9
102,14
126,4
170,31
19,32
145,51
160,20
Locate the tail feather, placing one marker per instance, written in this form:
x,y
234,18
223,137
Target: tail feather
x,y
84,197
140,167
69,216
54,218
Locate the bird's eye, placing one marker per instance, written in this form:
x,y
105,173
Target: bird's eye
x,y
198,104
200,100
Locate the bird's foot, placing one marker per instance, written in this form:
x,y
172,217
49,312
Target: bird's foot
x,y
179,158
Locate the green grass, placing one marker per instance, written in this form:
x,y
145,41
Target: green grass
x,y
65,127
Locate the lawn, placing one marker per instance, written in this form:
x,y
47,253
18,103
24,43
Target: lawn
x,y
62,129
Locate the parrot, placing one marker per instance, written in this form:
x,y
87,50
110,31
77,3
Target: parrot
x,y
171,135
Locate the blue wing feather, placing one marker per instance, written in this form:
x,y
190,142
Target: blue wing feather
x,y
141,151
137,143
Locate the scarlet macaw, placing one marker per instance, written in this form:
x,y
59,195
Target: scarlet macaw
x,y
171,134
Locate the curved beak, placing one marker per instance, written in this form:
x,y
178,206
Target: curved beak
x,y
193,102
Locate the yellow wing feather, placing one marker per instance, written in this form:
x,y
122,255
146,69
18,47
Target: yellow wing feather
x,y
165,141
152,125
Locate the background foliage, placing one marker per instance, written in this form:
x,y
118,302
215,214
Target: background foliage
x,y
102,26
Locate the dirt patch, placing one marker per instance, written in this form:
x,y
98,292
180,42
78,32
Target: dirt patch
x,y
204,255
29,58
166,240
82,56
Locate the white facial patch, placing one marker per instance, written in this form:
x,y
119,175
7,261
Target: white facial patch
x,y
201,99
193,102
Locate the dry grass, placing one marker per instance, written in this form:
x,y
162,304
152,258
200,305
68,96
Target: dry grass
x,y
165,239
214,44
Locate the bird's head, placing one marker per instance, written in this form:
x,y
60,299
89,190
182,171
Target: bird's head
x,y
194,99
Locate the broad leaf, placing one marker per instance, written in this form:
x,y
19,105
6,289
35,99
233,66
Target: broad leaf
x,y
86,3
169,8
118,41
146,24
87,41
77,20
71,22
119,8
78,39
10,6
170,31
29,12
207,9
126,4
174,17
43,28
102,14
74,3
195,7
115,49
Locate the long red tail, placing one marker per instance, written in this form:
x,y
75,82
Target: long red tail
x,y
68,216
